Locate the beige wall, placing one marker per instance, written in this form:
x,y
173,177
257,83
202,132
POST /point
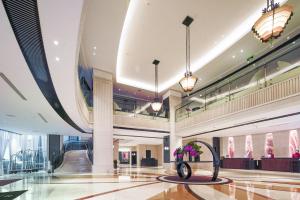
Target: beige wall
x,y
280,139
156,152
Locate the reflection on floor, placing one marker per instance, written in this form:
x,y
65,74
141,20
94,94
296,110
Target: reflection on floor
x,y
141,183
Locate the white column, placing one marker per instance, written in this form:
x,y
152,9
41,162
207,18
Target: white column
x,y
175,141
103,122
138,155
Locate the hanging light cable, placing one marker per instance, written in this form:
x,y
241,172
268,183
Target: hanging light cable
x,y
189,81
156,104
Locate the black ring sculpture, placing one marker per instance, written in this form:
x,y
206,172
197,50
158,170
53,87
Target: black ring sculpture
x,y
181,172
216,164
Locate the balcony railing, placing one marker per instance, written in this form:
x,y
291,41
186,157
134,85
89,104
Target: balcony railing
x,y
137,108
273,77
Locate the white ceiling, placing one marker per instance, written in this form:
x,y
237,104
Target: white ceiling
x,y
153,29
24,117
102,29
64,27
225,63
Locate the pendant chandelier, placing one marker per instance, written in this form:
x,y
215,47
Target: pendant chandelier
x,y
273,21
156,104
188,81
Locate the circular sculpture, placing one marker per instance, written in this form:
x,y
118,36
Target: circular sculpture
x,y
184,170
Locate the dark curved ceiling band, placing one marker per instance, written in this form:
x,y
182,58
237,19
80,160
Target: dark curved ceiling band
x,y
24,19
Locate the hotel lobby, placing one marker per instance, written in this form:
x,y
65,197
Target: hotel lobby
x,y
150,99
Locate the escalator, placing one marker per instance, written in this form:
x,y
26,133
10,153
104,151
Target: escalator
x,y
75,161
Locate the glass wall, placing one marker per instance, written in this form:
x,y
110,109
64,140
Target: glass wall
x,y
281,64
22,153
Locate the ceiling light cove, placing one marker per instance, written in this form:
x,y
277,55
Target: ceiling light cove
x,y
147,30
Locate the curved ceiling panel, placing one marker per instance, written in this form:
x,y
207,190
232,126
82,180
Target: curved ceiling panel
x,y
153,29
24,19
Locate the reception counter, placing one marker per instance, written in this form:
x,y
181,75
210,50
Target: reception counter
x,y
238,163
280,164
270,164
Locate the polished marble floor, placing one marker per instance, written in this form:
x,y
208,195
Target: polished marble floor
x,y
141,183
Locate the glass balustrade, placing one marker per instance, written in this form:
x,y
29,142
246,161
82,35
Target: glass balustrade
x,y
282,64
133,107
85,75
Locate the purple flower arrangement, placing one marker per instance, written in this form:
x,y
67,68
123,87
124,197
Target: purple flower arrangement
x,y
191,148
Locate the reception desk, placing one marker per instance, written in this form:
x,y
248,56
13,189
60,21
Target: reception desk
x,y
238,163
149,162
280,164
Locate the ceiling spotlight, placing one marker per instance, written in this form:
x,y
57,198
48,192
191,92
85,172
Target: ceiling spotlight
x,y
242,50
94,53
294,42
273,21
288,37
233,56
94,47
57,59
55,42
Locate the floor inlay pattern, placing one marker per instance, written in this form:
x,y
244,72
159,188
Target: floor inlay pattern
x,y
193,180
142,183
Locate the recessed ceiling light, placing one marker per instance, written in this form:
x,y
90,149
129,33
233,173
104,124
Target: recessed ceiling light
x,y
288,37
94,47
94,53
242,50
55,42
119,89
233,56
294,42
200,95
57,59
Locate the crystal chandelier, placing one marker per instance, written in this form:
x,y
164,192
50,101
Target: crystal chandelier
x,y
188,81
156,104
273,21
